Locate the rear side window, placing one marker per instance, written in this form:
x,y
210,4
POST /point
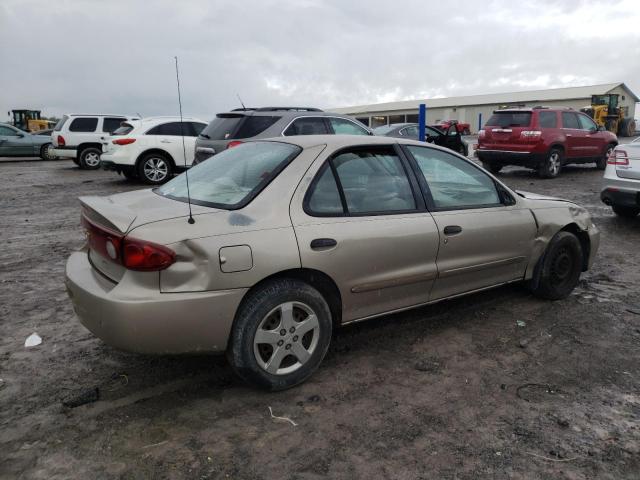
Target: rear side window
x,y
409,132
222,127
111,124
570,120
324,197
548,119
374,181
254,125
61,123
197,128
307,126
83,124
171,129
509,119
343,126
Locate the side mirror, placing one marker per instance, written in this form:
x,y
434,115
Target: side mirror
x,y
601,128
19,135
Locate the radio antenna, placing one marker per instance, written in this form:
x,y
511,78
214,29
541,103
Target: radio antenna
x,y
241,102
184,149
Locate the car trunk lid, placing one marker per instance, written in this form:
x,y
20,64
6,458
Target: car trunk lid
x,y
627,161
506,127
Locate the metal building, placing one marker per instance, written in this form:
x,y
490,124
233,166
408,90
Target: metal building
x,y
476,109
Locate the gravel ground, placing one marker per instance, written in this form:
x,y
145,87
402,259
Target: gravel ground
x,y
495,385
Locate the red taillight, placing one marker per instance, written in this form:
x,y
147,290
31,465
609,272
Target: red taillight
x,y
146,256
123,141
618,157
134,254
61,142
234,143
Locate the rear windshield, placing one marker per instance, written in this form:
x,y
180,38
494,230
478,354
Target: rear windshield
x,y
61,123
234,177
123,129
228,126
510,119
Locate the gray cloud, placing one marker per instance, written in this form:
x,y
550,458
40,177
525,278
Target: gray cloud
x,y
117,56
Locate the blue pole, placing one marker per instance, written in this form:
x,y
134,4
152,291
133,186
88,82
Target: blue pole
x,y
422,122
480,121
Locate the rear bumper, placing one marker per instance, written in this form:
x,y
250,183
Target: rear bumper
x,y
504,157
138,318
620,197
71,152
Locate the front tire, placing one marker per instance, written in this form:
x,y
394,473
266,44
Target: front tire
x,y
280,335
90,158
601,163
558,271
46,152
626,212
552,164
155,168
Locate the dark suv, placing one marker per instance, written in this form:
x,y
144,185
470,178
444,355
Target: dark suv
x,y
544,139
229,129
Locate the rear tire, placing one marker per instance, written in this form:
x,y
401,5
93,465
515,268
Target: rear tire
x,y
90,158
626,212
552,164
492,167
155,168
130,174
46,152
601,163
558,271
260,353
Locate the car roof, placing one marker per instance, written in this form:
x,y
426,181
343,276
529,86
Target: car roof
x,y
285,112
102,115
340,141
168,118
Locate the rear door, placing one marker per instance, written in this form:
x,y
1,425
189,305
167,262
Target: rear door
x,y
576,142
168,136
362,221
485,236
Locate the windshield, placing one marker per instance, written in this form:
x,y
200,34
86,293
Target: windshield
x,y
510,119
232,178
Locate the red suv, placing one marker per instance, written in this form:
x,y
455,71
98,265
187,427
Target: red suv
x,y
544,139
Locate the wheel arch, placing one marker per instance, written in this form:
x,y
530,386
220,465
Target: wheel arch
x,y
315,278
85,145
585,242
164,153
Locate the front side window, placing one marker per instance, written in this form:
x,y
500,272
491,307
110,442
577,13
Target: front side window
x,y
7,132
570,120
586,123
111,124
548,119
373,181
83,124
232,178
454,183
307,126
342,126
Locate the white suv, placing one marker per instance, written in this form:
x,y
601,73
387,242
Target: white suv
x,y
78,136
151,149
621,182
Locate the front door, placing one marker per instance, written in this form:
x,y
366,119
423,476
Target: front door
x,y
485,236
362,221
15,142
576,142
592,138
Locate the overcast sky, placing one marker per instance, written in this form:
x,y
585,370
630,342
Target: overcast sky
x,y
116,56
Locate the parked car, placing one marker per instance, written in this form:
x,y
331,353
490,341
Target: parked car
x,y
292,237
449,138
230,129
18,143
78,137
463,128
621,182
544,139
151,149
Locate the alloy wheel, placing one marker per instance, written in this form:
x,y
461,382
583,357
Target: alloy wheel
x,y
286,338
156,169
92,159
554,163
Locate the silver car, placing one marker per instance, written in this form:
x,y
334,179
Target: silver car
x,y
621,182
292,237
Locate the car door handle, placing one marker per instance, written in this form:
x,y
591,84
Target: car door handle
x,y
166,141
568,135
320,243
452,230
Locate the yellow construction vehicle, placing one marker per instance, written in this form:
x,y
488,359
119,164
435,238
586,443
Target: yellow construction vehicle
x,y
30,120
606,112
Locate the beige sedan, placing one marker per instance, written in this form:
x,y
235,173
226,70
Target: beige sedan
x,y
291,238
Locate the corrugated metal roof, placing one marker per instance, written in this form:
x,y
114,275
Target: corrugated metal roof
x,y
567,93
